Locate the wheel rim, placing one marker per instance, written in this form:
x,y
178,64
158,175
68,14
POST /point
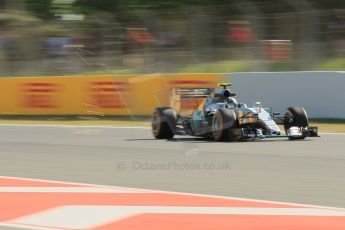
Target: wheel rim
x,y
216,127
156,122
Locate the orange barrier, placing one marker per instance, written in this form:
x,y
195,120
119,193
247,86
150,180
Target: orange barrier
x,y
96,95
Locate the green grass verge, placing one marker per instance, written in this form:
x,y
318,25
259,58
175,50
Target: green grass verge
x,y
228,66
109,72
329,125
334,64
217,67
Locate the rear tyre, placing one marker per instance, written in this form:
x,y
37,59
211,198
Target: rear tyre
x,y
164,123
296,116
222,122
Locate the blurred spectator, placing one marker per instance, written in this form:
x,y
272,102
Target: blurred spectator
x,y
278,50
169,36
8,48
169,39
139,36
240,32
58,46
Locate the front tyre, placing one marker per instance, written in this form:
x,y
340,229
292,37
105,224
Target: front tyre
x,y
164,123
296,117
222,122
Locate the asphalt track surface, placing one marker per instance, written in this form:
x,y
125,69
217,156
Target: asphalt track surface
x,y
310,171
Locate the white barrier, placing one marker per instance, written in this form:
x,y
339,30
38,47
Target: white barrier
x,y
321,93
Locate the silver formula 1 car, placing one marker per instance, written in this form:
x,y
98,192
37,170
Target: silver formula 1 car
x,y
222,118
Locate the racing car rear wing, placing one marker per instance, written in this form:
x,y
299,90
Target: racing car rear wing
x,y
194,92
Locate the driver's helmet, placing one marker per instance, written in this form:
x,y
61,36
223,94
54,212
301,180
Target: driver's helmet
x,y
228,99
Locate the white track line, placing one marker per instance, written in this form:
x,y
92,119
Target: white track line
x,y
61,189
330,133
20,226
69,217
180,193
112,127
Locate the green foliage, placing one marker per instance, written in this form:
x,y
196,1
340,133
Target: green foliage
x,y
96,5
124,5
40,8
44,9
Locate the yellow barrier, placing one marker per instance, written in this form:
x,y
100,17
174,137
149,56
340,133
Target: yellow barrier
x,y
96,95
